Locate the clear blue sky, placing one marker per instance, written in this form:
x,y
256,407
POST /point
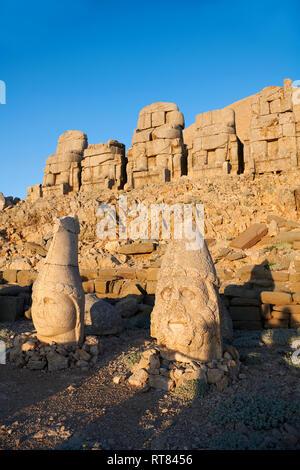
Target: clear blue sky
x,y
92,65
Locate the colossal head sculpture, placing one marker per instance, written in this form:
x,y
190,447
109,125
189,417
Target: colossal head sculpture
x,y
186,317
58,297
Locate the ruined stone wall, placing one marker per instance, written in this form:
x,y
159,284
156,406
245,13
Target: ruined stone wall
x,y
259,134
157,153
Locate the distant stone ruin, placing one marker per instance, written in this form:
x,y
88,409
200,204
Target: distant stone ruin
x,y
259,134
157,153
213,150
103,166
62,171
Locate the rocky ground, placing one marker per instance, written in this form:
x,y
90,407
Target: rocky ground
x,y
87,409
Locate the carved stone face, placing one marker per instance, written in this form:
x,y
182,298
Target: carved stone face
x,y
54,315
186,318
58,297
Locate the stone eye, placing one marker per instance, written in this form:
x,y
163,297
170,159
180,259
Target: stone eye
x,y
166,293
187,294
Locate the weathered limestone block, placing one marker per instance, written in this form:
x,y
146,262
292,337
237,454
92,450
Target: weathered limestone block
x,y
103,166
158,153
100,317
34,192
250,236
58,297
63,169
213,147
186,317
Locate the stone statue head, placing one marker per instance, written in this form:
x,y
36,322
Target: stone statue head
x,y
186,318
58,297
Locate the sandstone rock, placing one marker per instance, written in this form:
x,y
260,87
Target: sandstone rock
x,y
276,298
187,280
127,307
139,378
26,278
100,317
28,346
56,361
35,248
276,323
137,248
58,297
161,382
250,237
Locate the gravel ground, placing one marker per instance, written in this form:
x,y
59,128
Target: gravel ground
x,y
74,409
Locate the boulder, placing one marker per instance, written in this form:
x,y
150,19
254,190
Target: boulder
x,y
100,317
127,307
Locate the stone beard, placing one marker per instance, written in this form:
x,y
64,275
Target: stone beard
x,y
186,317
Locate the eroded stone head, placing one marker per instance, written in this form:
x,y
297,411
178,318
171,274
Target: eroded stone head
x,y
186,317
58,297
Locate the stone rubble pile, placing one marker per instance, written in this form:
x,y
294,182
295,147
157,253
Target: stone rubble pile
x,y
30,353
156,372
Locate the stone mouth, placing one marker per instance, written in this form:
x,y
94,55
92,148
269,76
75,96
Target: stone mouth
x,y
177,325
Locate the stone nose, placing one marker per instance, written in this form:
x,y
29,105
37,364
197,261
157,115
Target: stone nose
x,y
175,296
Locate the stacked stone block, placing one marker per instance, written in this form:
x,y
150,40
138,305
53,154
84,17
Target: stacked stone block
x,y
273,137
63,169
214,148
157,153
104,166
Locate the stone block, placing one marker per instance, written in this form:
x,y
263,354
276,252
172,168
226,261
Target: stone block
x,y
280,315
100,286
137,248
250,237
276,298
89,287
133,287
266,311
126,273
26,278
276,323
11,308
245,313
10,275
144,121
142,136
214,141
161,382
240,291
89,274
176,118
158,118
